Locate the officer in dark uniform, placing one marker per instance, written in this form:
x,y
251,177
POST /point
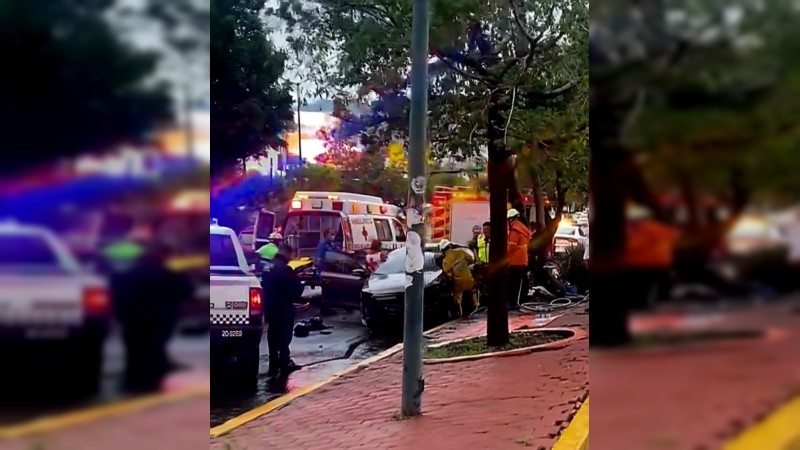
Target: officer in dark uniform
x,y
282,289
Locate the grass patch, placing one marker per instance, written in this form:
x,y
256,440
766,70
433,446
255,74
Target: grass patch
x,y
398,416
684,338
477,346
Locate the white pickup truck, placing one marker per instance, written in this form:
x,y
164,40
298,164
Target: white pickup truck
x,y
237,313
52,312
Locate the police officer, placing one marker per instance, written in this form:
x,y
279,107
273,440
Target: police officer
x,y
282,289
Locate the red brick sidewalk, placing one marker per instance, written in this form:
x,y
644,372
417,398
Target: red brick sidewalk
x,y
494,403
696,397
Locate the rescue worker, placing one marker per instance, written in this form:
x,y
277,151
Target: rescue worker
x,y
325,246
519,237
455,265
483,243
282,289
473,242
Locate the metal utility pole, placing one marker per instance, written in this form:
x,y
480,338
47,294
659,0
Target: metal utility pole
x,y
413,383
299,132
188,125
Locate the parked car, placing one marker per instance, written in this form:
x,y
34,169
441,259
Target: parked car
x,y
383,295
568,235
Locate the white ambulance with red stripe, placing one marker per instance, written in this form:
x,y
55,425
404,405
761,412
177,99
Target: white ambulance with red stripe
x,y
356,220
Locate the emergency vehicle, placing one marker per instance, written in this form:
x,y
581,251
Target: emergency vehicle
x,y
357,220
237,313
456,210
52,311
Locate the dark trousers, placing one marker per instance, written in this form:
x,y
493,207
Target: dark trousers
x,y
279,336
146,359
517,285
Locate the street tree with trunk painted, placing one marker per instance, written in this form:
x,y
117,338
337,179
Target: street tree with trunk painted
x,y
492,60
707,92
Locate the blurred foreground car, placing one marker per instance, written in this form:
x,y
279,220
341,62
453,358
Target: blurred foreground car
x,y
52,312
237,313
383,296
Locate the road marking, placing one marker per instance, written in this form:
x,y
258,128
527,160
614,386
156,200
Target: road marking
x,y
778,431
122,407
266,408
576,435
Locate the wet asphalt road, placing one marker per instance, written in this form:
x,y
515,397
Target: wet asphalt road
x,y
189,351
321,356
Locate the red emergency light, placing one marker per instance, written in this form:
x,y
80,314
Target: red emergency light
x,y
337,205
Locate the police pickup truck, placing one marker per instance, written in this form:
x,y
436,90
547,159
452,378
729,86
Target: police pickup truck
x,y
237,313
54,316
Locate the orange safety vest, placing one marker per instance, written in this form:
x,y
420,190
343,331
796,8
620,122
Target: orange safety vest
x,y
649,244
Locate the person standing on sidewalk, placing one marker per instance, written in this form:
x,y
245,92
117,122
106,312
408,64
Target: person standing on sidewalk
x,y
282,289
519,237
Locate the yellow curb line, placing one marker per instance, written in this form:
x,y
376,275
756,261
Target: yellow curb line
x,y
778,431
266,408
576,435
122,407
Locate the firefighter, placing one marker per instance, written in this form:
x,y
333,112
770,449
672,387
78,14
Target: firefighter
x,y
455,266
519,239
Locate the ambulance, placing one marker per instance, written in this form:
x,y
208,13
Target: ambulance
x,y
356,220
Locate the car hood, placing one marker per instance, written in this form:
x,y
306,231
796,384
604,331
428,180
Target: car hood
x,y
394,283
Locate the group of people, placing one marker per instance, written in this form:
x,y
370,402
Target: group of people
x,y
456,262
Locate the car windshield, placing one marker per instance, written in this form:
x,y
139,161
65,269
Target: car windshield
x,y
566,230
27,250
396,263
222,252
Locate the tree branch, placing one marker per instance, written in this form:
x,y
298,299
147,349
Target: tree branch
x,y
458,70
547,95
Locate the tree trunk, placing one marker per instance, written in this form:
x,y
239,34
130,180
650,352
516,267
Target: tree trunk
x,y
500,173
538,199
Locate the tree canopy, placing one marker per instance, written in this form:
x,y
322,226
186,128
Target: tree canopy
x,y
71,85
250,107
505,78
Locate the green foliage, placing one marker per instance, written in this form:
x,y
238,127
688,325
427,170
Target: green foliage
x,y
366,45
713,96
251,109
71,85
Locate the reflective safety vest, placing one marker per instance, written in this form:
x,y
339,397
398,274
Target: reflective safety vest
x,y
483,249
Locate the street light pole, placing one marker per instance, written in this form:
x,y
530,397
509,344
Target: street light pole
x,y
413,383
299,131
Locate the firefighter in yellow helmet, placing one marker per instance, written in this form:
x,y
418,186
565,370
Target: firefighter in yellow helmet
x,y
456,267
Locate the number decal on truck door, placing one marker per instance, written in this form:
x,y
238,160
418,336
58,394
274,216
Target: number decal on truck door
x,y
235,305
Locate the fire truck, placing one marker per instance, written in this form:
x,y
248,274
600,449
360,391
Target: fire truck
x,y
456,210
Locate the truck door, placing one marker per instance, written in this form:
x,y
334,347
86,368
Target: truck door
x,y
265,224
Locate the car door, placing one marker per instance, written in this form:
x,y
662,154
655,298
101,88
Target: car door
x,y
343,278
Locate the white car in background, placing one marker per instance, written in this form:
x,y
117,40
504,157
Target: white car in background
x,y
567,235
52,311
